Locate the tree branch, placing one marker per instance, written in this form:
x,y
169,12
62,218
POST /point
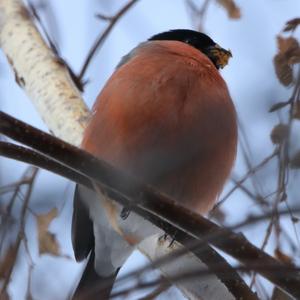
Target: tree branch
x,y
102,37
144,200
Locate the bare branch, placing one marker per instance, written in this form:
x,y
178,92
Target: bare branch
x,y
157,208
21,234
102,37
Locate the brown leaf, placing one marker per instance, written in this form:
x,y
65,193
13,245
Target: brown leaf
x,y
294,57
47,240
286,45
8,261
283,70
279,133
291,25
288,55
232,9
296,110
295,161
289,47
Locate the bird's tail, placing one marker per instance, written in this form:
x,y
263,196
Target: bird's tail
x,y
92,286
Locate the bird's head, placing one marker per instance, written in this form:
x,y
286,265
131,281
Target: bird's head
x,y
218,55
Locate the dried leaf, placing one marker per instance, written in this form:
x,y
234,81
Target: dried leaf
x,y
286,45
294,57
295,161
289,47
232,9
284,258
8,261
288,55
47,240
283,70
291,25
279,133
296,110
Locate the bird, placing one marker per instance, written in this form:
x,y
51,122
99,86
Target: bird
x,y
164,116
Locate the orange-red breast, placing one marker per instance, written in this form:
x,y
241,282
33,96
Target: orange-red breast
x,y
166,117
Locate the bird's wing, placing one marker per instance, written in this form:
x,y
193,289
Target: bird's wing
x,y
82,227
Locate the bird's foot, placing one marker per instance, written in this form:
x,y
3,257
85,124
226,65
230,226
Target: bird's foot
x,y
165,237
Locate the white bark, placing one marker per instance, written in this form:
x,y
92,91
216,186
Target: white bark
x,y
49,86
44,78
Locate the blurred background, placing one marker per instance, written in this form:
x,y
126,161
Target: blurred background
x,y
249,29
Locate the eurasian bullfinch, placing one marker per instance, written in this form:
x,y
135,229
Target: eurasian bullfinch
x,y
164,116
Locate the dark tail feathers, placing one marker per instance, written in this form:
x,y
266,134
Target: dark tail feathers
x,y
92,286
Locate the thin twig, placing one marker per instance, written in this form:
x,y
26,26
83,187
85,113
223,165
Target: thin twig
x,y
198,13
102,37
155,207
246,176
21,231
284,271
